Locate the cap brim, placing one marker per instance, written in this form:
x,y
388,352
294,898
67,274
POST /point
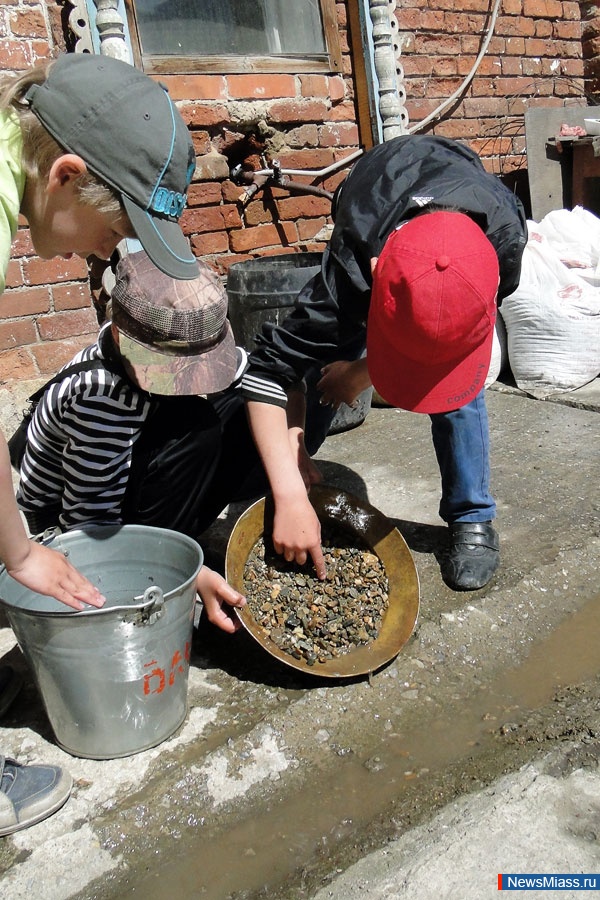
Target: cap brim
x,y
163,241
405,384
164,373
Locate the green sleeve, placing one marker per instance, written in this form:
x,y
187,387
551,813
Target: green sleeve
x,y
12,185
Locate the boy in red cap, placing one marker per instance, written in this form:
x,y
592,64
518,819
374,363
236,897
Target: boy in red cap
x,y
425,244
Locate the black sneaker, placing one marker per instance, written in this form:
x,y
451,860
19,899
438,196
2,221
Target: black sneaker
x,y
29,794
473,557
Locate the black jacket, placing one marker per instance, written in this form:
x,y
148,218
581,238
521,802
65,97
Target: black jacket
x,y
390,184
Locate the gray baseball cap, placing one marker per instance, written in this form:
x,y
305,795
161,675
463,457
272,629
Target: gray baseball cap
x,y
130,134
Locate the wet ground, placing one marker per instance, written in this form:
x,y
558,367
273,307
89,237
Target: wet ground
x,y
279,781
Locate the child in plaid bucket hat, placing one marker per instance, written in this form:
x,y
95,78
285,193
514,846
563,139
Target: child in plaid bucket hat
x,y
424,247
148,425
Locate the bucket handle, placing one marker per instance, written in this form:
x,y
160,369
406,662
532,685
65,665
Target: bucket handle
x,y
151,606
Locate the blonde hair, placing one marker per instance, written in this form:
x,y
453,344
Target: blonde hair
x,y
40,149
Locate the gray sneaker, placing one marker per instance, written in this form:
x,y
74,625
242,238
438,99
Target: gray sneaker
x,y
29,794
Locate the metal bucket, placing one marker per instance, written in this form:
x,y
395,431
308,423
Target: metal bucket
x,y
113,680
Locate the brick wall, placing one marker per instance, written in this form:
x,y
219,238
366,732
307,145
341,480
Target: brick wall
x,y
534,58
306,122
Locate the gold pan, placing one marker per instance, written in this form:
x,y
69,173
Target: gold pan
x,y
373,528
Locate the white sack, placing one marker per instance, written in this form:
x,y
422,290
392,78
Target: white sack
x,y
553,318
499,359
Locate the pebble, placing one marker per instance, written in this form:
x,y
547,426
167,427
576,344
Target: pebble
x,y
316,620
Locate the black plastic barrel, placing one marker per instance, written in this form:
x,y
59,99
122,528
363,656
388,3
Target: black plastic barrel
x,y
264,290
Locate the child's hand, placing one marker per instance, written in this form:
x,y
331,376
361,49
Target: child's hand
x,y
343,381
47,571
214,592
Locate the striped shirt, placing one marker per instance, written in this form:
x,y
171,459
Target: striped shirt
x,y
79,445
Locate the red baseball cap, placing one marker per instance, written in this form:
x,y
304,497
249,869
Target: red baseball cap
x,y
432,314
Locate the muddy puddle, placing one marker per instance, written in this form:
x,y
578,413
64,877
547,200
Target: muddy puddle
x,y
266,855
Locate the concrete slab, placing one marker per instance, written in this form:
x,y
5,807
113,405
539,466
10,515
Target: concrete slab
x,y
274,772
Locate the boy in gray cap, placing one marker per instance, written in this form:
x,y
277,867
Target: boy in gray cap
x,y
91,150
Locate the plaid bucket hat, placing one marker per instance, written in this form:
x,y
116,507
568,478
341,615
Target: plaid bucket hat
x,y
174,335
432,314
130,135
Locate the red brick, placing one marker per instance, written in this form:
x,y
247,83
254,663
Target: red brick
x,y
485,106
544,28
51,356
17,333
14,274
21,245
66,325
303,207
298,111
511,65
259,211
514,27
262,236
307,228
532,67
14,56
28,302
71,296
213,242
28,23
339,135
337,88
303,136
231,192
314,86
438,45
203,193
572,68
198,115
543,9
490,65
343,112
201,142
306,159
49,271
17,364
458,128
515,46
204,218
571,11
200,87
260,87
231,216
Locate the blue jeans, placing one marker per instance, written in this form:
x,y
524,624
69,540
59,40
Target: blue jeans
x,y
461,441
462,446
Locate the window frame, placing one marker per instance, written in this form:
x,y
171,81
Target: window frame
x,y
153,64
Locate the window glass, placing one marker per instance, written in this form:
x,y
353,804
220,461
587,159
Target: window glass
x,y
230,27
